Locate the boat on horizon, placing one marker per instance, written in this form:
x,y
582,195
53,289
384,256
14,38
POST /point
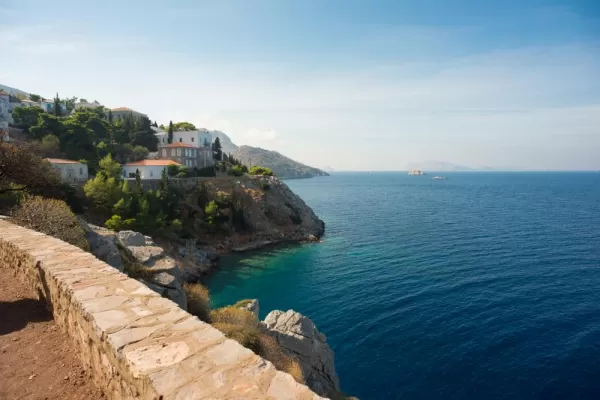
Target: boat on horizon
x,y
439,178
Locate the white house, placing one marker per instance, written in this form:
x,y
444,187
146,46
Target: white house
x,y
149,169
71,171
198,138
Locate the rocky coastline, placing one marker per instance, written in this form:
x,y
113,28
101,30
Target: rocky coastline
x,y
276,216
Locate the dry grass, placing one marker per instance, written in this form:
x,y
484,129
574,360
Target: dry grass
x,y
198,301
247,336
271,350
234,316
242,303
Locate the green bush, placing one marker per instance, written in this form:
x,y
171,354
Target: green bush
x,y
258,170
264,186
116,223
236,170
52,217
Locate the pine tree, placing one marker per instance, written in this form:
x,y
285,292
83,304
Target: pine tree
x,y
110,116
57,110
217,151
170,134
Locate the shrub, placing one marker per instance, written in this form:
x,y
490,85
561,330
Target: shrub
x,y
173,170
271,350
116,223
236,170
234,316
198,302
264,186
247,336
258,170
52,217
242,303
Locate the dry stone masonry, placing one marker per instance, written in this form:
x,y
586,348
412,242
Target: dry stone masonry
x,y
135,343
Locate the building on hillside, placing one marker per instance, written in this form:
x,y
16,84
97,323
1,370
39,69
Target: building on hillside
x,y
149,169
198,138
186,154
70,171
85,104
121,112
5,115
48,106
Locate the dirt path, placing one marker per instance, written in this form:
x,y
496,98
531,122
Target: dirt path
x,y
37,359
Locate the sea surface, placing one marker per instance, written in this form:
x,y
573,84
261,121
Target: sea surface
x,y
483,286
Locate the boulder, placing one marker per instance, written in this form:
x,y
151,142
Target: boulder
x,y
252,306
131,238
299,337
103,244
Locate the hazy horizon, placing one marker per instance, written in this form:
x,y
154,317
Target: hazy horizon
x,y
352,85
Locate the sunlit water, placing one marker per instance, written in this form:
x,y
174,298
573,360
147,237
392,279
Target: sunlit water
x,y
483,286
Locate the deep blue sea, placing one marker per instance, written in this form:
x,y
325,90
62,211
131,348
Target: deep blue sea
x,y
483,286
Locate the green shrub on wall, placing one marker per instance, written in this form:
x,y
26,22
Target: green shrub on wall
x,y
258,170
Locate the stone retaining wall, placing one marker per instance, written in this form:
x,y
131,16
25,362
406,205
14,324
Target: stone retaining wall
x,y
136,344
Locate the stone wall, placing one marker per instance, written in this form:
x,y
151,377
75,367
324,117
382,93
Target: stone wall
x,y
136,344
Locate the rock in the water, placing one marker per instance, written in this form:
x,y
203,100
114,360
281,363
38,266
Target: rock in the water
x,y
299,337
103,244
131,238
252,306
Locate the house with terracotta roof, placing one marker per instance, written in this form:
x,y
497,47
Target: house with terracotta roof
x,y
187,154
69,170
48,106
149,169
121,112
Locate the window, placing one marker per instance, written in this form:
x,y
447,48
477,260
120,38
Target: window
x,y
172,152
151,173
180,140
124,174
164,152
163,139
192,140
80,170
178,152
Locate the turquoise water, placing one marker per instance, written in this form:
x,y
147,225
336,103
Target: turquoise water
x,y
484,286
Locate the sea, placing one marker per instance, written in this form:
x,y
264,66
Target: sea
x,y
482,286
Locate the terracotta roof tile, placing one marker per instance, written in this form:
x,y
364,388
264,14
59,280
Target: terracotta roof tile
x,y
151,163
180,144
61,161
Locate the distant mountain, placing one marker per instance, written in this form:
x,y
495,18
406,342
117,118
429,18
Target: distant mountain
x,y
437,166
226,144
281,165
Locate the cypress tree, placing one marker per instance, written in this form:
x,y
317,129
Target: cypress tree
x,y
170,134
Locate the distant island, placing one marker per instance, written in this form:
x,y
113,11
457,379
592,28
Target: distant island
x,y
431,165
416,172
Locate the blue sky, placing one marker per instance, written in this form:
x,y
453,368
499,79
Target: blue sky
x,y
356,85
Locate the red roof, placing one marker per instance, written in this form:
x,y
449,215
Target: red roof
x,y
3,93
151,163
61,161
180,144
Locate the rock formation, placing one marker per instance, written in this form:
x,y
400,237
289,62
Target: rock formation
x,y
300,338
141,258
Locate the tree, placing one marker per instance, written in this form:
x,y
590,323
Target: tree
x,y
102,191
21,169
139,153
110,117
70,104
52,217
184,126
57,109
49,146
110,168
170,133
35,97
144,135
26,117
155,124
258,170
217,150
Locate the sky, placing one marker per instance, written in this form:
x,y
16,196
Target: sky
x,y
352,85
